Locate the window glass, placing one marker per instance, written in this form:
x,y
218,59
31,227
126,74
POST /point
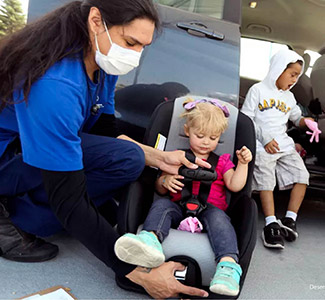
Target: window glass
x,y
313,57
212,8
255,57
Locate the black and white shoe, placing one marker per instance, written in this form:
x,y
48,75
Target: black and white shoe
x,y
288,229
271,236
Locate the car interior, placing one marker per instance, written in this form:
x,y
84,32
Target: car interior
x,y
265,21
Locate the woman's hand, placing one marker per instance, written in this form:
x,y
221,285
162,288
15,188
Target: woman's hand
x,y
172,183
171,161
272,147
160,282
167,161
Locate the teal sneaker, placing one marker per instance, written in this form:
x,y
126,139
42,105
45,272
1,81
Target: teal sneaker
x,y
143,249
226,279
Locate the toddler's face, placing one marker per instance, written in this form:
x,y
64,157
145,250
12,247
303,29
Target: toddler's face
x,y
201,143
289,77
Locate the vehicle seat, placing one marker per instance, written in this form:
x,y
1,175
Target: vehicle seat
x,y
194,250
245,85
303,88
317,80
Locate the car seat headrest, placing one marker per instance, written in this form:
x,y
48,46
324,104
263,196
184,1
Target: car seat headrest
x,y
322,50
306,58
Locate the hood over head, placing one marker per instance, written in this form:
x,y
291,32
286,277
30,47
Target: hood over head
x,y
279,63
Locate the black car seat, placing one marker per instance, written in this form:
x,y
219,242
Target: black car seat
x,y
194,250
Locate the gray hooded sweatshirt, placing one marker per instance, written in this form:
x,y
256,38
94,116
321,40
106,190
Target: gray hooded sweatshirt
x,y
271,108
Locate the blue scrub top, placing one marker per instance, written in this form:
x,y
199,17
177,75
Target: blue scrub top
x,y
58,109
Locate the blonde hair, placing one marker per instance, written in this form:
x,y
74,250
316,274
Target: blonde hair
x,y
206,118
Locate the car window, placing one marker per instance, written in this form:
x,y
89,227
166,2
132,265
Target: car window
x,y
313,57
255,57
212,8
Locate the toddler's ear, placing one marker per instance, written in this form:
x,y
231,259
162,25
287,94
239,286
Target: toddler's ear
x,y
186,131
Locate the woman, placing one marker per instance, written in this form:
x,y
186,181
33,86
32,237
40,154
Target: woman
x,y
58,77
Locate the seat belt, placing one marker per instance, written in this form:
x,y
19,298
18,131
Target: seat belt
x,y
194,204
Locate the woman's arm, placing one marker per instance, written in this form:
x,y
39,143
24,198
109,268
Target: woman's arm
x,y
167,161
69,200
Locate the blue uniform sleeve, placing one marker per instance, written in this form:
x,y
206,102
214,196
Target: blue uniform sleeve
x,y
49,125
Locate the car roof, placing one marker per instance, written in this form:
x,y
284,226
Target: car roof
x,y
297,23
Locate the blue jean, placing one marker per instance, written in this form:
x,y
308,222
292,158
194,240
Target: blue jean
x,y
109,164
165,214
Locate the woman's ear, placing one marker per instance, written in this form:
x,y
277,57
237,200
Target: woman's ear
x,y
95,22
186,131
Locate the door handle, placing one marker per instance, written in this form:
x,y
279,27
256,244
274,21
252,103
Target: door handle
x,y
208,33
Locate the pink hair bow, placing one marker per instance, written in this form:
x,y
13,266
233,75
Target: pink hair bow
x,y
191,224
192,104
312,125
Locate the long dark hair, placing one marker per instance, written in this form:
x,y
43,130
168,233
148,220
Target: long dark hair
x,y
27,54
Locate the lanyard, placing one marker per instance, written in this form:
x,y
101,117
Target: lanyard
x,y
95,107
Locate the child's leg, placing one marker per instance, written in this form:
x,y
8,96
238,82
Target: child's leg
x,y
144,249
271,234
223,240
162,216
264,182
292,171
288,223
267,202
296,197
221,233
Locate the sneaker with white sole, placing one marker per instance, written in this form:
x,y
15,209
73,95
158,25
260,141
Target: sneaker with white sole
x,y
226,279
271,236
143,249
288,229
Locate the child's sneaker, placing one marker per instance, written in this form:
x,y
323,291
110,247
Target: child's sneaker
x,y
226,279
271,236
288,229
142,249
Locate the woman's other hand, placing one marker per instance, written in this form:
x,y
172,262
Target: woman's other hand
x,y
160,282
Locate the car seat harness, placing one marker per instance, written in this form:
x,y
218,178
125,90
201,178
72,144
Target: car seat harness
x,y
191,203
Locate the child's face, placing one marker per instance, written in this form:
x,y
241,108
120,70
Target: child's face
x,y
288,77
201,143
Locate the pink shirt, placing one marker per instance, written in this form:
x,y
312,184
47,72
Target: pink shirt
x,y
217,195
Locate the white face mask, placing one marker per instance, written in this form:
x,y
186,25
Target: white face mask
x,y
119,60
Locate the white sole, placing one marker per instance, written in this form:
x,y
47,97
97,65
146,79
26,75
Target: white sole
x,y
276,246
136,253
222,289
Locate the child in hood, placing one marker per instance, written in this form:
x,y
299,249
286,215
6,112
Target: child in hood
x,y
270,105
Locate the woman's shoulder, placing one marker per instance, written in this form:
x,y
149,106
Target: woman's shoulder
x,y
69,70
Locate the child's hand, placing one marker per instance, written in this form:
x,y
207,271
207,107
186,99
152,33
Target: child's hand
x,y
171,183
272,147
244,155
